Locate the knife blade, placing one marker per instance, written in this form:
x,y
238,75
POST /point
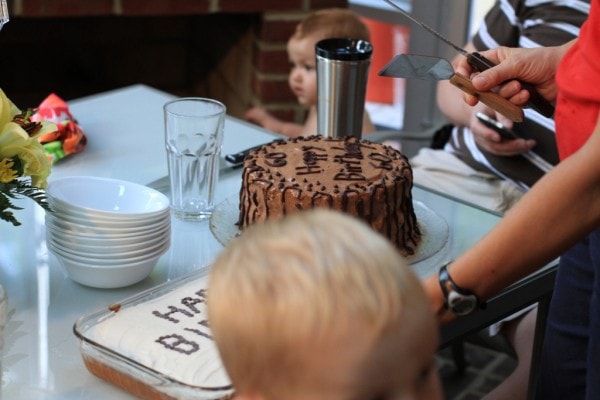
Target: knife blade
x,y
480,63
236,159
435,68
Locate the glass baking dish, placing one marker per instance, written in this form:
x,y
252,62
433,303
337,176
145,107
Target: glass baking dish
x,y
136,376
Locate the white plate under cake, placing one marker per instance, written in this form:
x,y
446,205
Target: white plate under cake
x,y
430,254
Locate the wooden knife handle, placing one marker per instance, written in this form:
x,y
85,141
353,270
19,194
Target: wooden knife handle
x,y
490,99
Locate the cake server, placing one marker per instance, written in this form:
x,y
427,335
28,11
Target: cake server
x,y
434,68
480,63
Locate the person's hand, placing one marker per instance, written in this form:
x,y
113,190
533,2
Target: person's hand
x,y
536,66
258,116
263,118
490,140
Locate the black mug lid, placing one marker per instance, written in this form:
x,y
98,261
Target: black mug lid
x,y
344,49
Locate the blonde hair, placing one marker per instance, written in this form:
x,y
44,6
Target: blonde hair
x,y
288,286
332,23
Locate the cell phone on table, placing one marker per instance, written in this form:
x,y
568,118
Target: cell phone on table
x,y
491,123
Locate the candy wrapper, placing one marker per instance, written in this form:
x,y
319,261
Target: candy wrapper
x,y
69,138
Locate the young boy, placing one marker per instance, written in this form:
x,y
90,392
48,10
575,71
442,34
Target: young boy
x,y
322,24
319,306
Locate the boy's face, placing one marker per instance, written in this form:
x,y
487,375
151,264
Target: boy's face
x,y
401,366
303,76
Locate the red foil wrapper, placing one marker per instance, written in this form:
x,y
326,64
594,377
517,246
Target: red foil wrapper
x,y
69,138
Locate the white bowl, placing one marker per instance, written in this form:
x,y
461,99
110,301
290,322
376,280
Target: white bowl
x,y
106,196
68,237
59,207
99,229
107,277
109,223
86,232
104,246
106,241
103,260
108,253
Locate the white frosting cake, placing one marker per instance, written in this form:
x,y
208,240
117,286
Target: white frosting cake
x,y
168,334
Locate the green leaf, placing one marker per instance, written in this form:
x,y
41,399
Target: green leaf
x,y
17,189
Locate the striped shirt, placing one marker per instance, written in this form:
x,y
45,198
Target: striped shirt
x,y
521,23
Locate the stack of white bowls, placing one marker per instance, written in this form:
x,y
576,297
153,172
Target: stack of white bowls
x,y
106,233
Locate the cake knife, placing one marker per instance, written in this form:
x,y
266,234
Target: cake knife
x,y
435,68
236,159
480,63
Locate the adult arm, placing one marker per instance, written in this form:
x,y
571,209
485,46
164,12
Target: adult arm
x,y
260,116
560,209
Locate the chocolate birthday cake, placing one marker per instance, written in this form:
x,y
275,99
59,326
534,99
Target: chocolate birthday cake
x,y
368,180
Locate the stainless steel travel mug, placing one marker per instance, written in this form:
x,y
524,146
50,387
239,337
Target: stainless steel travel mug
x,y
342,74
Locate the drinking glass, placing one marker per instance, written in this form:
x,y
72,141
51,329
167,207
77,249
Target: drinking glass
x,y
193,137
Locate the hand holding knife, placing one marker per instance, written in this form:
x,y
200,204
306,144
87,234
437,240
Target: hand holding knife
x,y
434,68
479,63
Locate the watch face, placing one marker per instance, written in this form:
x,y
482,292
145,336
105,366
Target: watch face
x,y
461,304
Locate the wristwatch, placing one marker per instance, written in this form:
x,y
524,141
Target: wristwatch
x,y
458,300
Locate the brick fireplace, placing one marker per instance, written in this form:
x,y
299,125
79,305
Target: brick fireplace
x,y
231,50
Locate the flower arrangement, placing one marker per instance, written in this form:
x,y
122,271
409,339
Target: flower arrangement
x,y
24,166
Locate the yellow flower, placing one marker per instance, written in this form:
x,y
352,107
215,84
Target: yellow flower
x,y
47,127
7,109
14,142
24,165
7,173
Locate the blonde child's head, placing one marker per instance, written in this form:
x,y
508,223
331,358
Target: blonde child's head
x,y
315,303
332,23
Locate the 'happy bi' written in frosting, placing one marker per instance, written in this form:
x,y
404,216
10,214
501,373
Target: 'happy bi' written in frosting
x,y
186,341
350,159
